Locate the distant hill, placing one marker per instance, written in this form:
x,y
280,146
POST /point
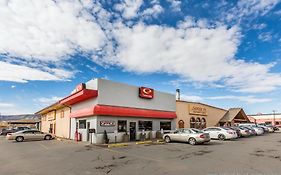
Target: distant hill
x,y
18,117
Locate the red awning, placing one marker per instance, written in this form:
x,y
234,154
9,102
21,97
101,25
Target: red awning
x,y
122,112
79,96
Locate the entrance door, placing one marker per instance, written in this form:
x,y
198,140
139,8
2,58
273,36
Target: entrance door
x,y
51,128
88,134
132,131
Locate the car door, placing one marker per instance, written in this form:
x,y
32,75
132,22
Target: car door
x,y
28,135
184,135
38,135
175,136
212,132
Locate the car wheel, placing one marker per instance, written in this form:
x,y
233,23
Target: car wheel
x,y
19,139
48,137
167,139
221,137
192,141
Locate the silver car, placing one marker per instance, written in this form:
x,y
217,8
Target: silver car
x,y
29,135
192,136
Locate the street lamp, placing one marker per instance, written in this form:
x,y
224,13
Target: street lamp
x,y
274,117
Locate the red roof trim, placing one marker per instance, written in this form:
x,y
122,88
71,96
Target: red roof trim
x,y
122,112
77,97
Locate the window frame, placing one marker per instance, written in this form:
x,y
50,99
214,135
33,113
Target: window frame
x,y
79,124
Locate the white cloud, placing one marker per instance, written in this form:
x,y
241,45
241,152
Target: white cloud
x,y
266,36
20,73
49,100
249,9
195,52
6,105
129,8
259,26
193,98
247,99
175,4
154,11
47,30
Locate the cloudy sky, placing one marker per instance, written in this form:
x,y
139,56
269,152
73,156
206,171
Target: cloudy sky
x,y
225,54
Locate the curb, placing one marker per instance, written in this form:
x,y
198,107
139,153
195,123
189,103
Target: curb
x,y
117,145
144,142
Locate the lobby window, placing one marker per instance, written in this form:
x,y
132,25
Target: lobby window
x,y
82,124
192,122
62,114
203,123
145,125
165,125
122,126
198,123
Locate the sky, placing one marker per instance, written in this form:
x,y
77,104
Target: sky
x,y
223,53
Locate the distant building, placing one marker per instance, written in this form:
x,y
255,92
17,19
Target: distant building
x,y
199,115
274,119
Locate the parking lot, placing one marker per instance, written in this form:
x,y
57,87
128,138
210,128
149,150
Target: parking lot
x,y
255,155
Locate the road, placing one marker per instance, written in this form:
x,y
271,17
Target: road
x,y
260,155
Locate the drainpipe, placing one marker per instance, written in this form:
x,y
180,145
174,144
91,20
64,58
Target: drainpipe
x,y
178,95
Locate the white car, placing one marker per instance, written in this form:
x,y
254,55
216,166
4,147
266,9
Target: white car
x,y
258,130
221,133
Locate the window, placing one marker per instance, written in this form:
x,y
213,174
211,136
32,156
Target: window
x,y
181,124
203,124
192,122
165,125
82,124
28,132
145,125
62,114
122,126
277,123
198,123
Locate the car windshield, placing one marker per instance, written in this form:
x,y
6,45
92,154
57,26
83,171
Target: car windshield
x,y
197,130
226,128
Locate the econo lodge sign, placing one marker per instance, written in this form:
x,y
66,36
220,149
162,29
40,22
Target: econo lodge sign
x,y
145,92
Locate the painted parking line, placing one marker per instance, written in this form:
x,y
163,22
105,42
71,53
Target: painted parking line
x,y
43,146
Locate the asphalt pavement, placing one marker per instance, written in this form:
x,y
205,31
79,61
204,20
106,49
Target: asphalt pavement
x,y
260,155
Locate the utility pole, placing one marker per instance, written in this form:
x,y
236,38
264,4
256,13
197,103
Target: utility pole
x,y
274,117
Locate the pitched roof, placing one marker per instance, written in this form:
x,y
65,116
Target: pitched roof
x,y
232,113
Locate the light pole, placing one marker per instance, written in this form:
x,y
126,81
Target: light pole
x,y
274,117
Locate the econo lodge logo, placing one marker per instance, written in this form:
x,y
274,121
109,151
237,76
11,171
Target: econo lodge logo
x,y
145,92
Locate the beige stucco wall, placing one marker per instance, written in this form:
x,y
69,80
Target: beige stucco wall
x,y
62,124
212,118
45,121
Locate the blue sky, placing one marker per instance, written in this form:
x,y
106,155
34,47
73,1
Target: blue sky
x,y
225,54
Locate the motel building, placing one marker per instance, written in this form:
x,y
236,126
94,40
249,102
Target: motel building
x,y
269,118
199,115
123,112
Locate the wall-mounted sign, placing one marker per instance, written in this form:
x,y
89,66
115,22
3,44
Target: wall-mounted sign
x,y
80,87
107,123
197,110
145,92
92,130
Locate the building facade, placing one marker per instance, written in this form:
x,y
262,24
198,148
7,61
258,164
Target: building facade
x,y
199,115
101,106
273,119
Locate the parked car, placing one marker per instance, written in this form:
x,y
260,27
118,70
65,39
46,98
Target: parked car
x,y
238,131
265,128
190,135
259,130
4,132
29,135
252,131
221,133
245,132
